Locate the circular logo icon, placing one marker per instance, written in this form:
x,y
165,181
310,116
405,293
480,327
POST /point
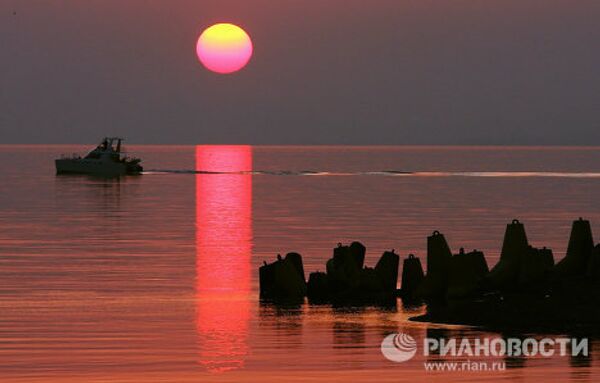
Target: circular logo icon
x,y
399,347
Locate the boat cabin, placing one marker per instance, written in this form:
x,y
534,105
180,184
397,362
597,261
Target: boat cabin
x,y
110,146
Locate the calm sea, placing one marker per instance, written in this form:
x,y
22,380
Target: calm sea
x,y
154,278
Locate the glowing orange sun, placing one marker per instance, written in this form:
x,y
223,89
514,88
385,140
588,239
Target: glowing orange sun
x,y
224,48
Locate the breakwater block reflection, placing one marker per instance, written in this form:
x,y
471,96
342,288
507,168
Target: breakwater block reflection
x,y
223,253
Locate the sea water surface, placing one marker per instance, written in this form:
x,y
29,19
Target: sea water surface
x,y
154,278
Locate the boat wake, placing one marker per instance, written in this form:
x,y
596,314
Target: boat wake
x,y
386,173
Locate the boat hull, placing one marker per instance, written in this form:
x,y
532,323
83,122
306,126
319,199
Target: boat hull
x,y
92,167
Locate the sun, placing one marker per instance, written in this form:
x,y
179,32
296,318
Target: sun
x,y
224,48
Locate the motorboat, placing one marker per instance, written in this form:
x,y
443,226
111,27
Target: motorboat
x,y
105,160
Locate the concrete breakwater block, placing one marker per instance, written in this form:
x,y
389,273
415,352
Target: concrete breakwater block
x,y
412,277
343,269
579,251
536,268
348,280
386,270
370,283
594,264
296,260
523,273
544,296
466,272
435,284
505,275
283,279
318,290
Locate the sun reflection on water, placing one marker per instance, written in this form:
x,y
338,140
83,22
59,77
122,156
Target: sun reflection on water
x,y
223,252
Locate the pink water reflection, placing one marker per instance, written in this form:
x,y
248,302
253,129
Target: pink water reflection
x,y
223,251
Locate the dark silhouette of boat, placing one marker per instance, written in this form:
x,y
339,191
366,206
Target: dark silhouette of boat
x,y
105,160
